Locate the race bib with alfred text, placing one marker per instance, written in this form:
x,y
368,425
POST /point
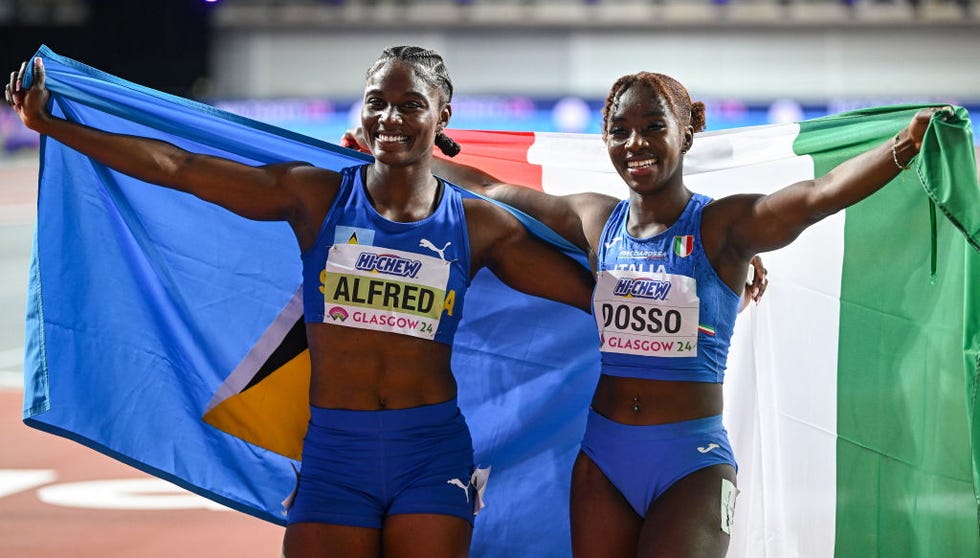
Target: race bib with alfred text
x,y
383,289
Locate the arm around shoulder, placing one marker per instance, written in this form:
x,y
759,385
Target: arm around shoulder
x,y
524,262
568,215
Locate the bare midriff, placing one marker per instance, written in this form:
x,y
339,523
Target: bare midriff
x,y
642,402
365,370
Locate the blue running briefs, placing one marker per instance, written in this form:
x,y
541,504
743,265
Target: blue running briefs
x,y
362,466
642,462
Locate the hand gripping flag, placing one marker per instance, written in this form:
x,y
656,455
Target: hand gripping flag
x,y
167,332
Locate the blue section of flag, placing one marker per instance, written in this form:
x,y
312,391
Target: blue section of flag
x,y
142,300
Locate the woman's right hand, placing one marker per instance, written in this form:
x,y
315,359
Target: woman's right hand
x,y
31,103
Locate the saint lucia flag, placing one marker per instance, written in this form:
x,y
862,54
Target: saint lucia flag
x,y
167,332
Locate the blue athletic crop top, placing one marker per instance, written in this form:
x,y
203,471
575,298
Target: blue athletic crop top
x,y
662,311
368,272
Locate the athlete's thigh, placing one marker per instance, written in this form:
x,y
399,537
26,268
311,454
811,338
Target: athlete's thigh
x,y
686,520
602,521
426,535
321,540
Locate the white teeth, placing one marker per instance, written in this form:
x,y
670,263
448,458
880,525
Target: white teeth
x,y
641,164
391,138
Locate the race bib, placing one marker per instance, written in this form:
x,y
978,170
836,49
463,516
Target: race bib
x,y
382,289
645,313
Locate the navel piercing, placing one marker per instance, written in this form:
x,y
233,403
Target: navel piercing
x,y
636,403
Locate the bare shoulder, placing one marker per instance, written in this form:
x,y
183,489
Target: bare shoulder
x,y
305,174
310,184
588,204
723,211
312,191
487,214
593,210
719,222
489,227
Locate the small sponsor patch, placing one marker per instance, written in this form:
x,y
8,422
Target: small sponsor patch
x,y
728,495
290,498
642,255
479,480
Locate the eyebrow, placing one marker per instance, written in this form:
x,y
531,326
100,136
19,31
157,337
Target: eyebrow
x,y
378,91
650,114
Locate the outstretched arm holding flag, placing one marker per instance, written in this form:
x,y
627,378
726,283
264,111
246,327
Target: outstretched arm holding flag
x,y
388,252
294,192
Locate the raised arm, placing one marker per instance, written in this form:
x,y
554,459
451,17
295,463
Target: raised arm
x,y
743,225
500,243
272,192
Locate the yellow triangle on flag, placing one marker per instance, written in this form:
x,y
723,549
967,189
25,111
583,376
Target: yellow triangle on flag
x,y
272,414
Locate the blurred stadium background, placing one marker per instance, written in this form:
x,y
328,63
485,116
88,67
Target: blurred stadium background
x,y
516,64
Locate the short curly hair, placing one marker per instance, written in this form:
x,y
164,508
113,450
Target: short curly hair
x,y
674,94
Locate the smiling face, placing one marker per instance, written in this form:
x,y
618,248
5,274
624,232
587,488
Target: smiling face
x,y
645,141
402,114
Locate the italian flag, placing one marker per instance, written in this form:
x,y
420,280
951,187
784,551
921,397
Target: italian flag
x,y
851,391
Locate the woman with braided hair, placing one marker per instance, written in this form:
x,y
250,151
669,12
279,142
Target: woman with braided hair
x,y
388,251
656,474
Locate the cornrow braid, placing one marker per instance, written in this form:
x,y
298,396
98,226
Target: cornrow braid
x,y
431,68
674,94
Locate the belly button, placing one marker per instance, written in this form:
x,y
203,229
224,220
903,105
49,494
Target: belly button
x,y
382,403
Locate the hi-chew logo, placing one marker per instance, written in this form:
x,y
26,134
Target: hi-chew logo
x,y
389,264
654,289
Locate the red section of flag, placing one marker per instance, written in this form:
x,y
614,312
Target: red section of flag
x,y
502,154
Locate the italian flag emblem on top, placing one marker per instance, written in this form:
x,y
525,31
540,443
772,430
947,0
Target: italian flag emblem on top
x,y
684,245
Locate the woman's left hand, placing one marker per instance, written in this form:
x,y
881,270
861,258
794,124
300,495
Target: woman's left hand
x,y
756,286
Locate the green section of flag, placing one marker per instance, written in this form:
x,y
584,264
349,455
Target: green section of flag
x,y
907,372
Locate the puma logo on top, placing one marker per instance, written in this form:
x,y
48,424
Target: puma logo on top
x,y
426,243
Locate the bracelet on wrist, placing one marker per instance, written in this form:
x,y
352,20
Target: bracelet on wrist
x,y
898,163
